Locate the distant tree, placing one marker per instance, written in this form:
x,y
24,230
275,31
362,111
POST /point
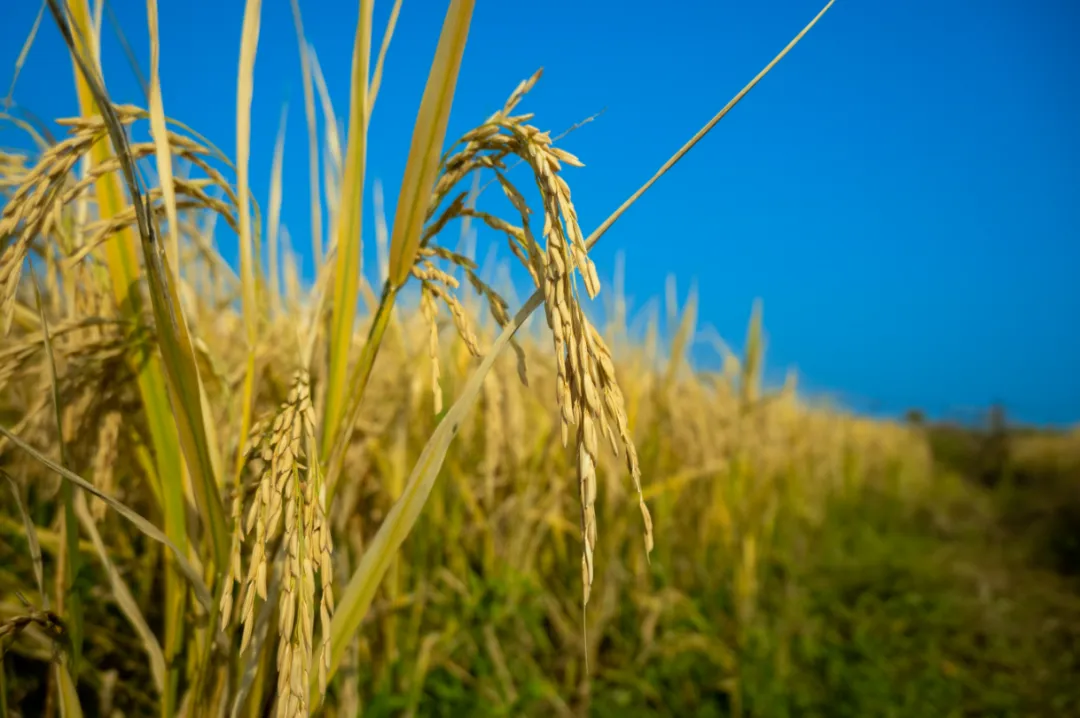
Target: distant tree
x,y
997,420
994,451
915,417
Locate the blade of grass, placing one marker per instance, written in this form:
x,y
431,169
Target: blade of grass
x,y
21,59
144,526
31,540
427,141
129,54
333,161
335,454
69,697
274,218
122,594
354,603
313,140
185,391
161,142
291,271
376,78
249,41
68,598
99,16
348,264
174,601
421,168
382,236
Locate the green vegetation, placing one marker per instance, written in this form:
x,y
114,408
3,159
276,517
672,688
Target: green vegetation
x,y
301,522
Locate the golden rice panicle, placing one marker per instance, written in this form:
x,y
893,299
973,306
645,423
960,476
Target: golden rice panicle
x,y
287,513
615,406
586,390
28,211
437,285
13,169
108,439
440,285
497,305
34,208
252,449
309,550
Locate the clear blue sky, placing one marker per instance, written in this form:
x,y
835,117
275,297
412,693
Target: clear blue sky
x,y
903,191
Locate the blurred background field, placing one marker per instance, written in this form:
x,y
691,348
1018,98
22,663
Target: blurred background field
x,y
809,560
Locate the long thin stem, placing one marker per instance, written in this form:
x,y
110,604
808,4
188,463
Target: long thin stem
x,y
599,231
334,446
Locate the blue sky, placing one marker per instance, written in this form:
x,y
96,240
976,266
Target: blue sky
x,y
902,192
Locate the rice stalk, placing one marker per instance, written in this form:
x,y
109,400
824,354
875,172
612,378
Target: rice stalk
x,y
348,241
249,41
273,221
69,599
313,138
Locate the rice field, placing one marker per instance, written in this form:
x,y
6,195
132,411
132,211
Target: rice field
x,y
228,491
